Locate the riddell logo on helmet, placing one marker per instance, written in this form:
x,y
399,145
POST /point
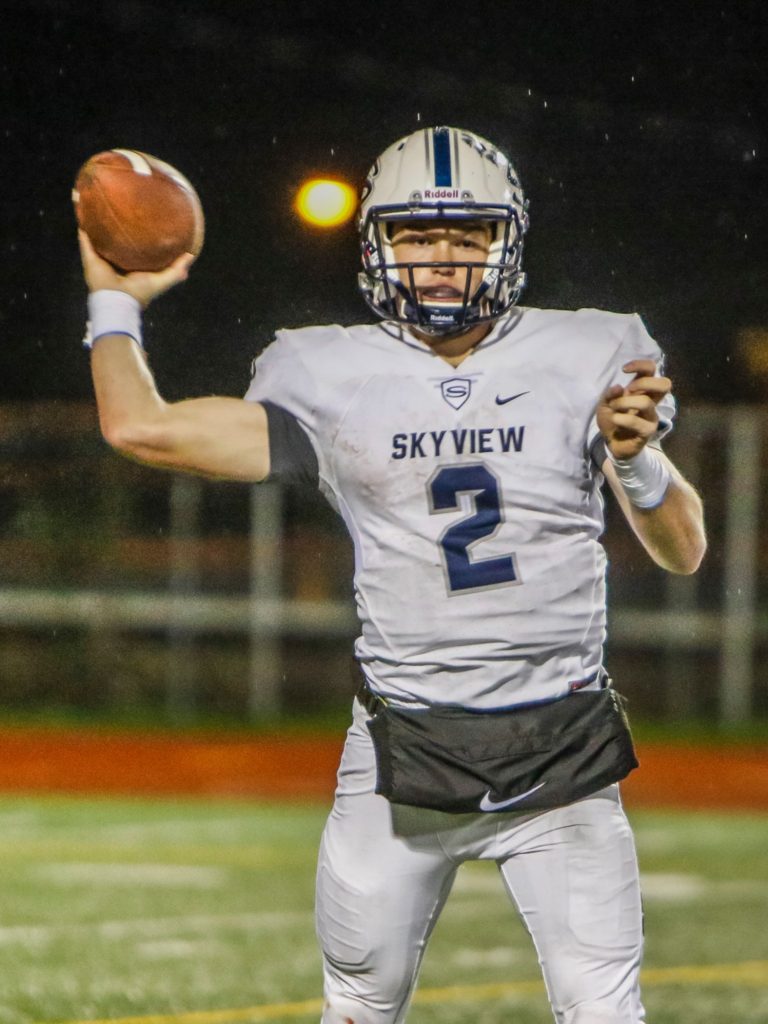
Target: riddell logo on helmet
x,y
441,193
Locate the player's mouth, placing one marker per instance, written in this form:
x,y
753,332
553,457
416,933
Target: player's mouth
x,y
440,293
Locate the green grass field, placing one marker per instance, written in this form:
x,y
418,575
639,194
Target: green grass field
x,y
200,912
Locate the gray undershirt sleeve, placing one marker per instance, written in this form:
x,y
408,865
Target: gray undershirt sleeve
x,y
291,455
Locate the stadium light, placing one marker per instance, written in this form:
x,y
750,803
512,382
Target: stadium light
x,y
325,203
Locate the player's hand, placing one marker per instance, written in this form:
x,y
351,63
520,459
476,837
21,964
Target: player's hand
x,y
142,285
627,416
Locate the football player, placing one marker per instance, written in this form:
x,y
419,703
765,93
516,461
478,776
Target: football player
x,y
464,439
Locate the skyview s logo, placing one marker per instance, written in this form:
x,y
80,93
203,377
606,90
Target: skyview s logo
x,y
456,391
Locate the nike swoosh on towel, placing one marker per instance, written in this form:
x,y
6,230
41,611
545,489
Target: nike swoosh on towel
x,y
503,401
486,804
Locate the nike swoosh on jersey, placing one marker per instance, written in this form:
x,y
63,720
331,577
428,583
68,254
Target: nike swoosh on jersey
x,y
487,804
503,401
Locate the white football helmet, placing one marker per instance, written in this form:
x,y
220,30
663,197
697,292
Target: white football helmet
x,y
456,175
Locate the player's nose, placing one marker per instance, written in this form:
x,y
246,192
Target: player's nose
x,y
443,249
443,253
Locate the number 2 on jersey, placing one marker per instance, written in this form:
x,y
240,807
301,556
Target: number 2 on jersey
x,y
445,490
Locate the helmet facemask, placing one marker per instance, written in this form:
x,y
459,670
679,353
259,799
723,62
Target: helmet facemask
x,y
389,286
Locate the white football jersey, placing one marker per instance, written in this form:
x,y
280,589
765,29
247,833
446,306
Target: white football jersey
x,y
470,493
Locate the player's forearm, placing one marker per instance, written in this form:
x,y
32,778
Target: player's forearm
x,y
130,408
673,532
224,438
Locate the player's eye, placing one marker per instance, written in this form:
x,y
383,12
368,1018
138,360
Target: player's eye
x,y
419,240
472,243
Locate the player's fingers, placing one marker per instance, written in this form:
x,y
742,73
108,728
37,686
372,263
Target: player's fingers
x,y
641,367
656,386
87,252
98,272
184,263
642,404
84,242
612,392
173,274
633,424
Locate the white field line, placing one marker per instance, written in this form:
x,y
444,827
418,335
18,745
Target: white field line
x,y
151,927
683,888
503,957
251,856
660,887
183,876
669,889
177,949
19,827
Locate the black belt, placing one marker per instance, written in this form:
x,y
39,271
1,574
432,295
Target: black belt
x,y
366,696
373,703
368,699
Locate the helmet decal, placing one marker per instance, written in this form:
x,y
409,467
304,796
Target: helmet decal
x,y
441,142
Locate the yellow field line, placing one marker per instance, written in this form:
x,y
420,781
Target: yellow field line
x,y
750,972
275,1011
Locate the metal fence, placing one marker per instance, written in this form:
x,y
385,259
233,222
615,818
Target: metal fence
x,y
122,585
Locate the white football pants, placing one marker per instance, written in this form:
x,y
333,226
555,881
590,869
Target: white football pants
x,y
385,871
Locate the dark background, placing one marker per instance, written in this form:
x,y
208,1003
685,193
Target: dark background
x,y
639,132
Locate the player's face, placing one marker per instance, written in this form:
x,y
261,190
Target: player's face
x,y
442,241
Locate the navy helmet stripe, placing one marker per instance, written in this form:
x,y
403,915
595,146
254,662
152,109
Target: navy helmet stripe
x,y
442,152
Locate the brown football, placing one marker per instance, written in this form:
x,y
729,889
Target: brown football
x,y
139,212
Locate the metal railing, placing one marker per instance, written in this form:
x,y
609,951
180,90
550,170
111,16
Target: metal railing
x,y
724,616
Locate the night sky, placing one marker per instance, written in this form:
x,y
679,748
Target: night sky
x,y
639,132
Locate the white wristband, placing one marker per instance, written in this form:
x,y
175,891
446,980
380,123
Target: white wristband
x,y
112,312
644,478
